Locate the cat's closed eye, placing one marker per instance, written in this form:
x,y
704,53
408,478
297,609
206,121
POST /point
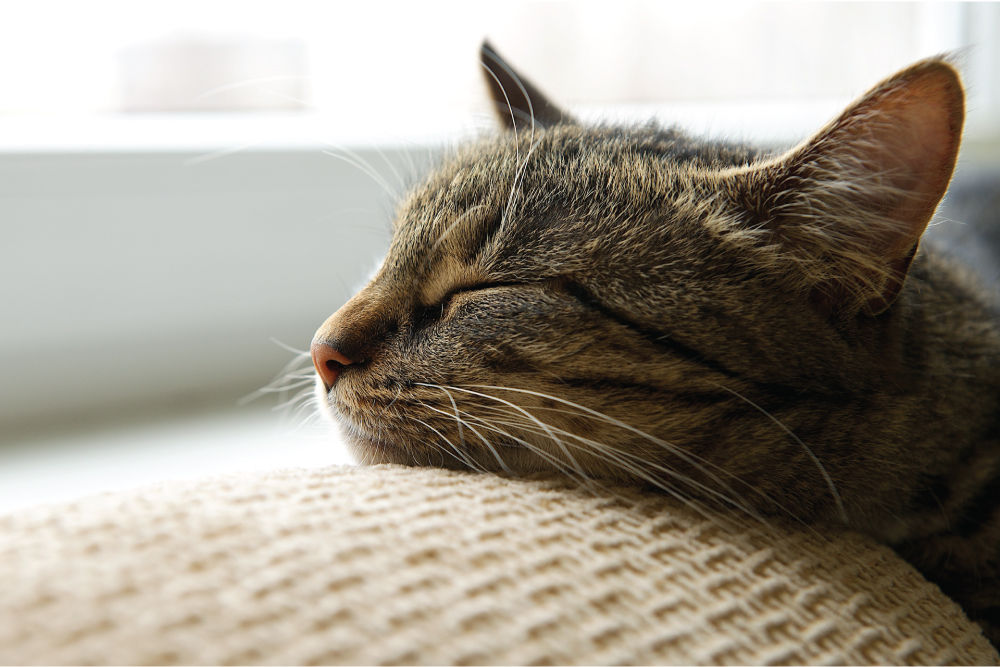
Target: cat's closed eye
x,y
459,294
424,315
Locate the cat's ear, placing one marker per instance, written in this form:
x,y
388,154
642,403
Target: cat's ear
x,y
517,102
852,202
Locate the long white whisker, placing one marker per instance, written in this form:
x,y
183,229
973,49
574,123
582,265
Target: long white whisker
x,y
245,83
461,435
684,456
517,80
459,453
489,445
510,107
399,177
822,469
638,473
693,459
452,226
292,401
625,460
286,346
555,462
527,414
220,153
288,379
518,178
356,161
519,174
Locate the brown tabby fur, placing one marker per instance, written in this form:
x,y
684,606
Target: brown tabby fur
x,y
728,326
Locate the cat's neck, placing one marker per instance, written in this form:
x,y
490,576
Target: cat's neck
x,y
949,527
939,403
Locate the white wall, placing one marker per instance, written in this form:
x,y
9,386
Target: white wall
x,y
133,277
138,269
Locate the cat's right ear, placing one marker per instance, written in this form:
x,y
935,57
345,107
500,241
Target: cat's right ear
x,y
519,105
849,206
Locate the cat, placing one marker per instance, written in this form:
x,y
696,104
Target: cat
x,y
731,325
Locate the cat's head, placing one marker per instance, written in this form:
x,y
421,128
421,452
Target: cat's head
x,y
635,302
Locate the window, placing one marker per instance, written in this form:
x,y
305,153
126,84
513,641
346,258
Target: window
x,y
183,181
408,70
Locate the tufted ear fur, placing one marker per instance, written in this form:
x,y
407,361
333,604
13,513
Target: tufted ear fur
x,y
515,99
851,203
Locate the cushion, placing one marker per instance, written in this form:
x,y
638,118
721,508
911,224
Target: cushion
x,y
390,564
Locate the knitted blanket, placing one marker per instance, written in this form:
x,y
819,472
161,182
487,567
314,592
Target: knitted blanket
x,y
399,565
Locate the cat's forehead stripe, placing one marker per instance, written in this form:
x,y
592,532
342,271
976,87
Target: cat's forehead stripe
x,y
443,277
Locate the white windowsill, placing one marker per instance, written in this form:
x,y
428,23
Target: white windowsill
x,y
780,121
59,467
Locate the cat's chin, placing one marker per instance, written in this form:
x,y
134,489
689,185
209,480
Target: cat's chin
x,y
366,450
401,449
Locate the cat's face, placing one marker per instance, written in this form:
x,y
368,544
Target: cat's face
x,y
627,303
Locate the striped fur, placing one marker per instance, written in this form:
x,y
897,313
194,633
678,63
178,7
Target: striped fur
x,y
733,328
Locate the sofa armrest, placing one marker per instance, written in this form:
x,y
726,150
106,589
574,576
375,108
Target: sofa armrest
x,y
416,565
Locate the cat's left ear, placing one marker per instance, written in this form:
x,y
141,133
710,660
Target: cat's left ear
x,y
518,103
852,202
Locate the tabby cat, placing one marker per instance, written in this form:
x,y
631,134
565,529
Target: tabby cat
x,y
729,325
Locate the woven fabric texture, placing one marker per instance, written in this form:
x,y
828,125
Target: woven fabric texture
x,y
398,565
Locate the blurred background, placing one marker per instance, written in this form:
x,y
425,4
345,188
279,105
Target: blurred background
x,y
188,189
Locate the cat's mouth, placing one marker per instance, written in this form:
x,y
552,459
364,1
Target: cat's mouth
x,y
398,445
407,430
357,408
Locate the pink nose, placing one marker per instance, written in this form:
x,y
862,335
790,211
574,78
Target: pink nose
x,y
329,362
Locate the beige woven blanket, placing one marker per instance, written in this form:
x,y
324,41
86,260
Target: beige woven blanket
x,y
397,565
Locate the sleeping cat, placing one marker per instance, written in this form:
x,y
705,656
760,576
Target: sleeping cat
x,y
731,326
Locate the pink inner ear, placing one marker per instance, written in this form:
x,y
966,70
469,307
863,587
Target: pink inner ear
x,y
907,132
855,199
925,123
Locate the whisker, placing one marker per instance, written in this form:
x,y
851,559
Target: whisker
x,y
689,457
489,445
639,473
822,469
285,346
351,158
519,174
399,177
220,153
461,435
460,454
452,226
517,81
518,178
290,377
625,460
552,435
289,403
510,107
685,456
557,464
246,83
